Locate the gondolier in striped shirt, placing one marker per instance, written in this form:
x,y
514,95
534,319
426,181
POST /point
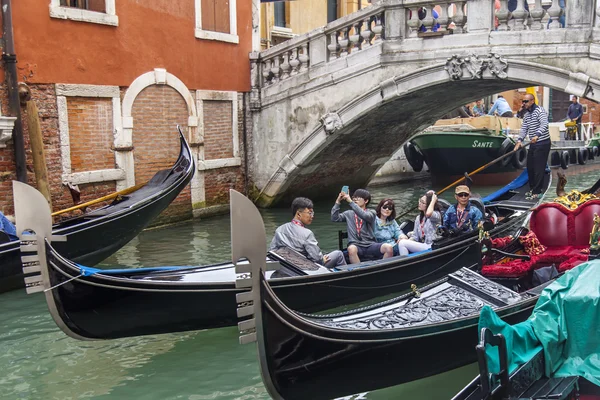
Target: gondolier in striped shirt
x,y
535,127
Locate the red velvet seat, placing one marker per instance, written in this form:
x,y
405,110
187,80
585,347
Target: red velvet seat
x,y
564,232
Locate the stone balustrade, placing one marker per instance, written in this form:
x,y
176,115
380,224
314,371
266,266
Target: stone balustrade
x,y
399,20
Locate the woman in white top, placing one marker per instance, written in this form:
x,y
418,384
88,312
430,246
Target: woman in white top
x,y
426,225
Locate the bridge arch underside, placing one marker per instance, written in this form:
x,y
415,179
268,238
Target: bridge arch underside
x,y
377,124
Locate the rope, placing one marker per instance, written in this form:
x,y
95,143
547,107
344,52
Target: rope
x,y
62,283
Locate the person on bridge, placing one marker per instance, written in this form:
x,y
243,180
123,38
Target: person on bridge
x,y
297,236
535,127
360,223
462,216
501,107
575,112
426,224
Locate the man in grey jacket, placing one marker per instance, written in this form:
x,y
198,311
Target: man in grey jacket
x,y
360,224
297,236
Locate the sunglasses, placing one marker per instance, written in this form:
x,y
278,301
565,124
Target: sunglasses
x,y
463,194
525,101
388,207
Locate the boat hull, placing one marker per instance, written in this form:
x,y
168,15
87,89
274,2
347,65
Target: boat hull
x,y
303,366
453,154
94,236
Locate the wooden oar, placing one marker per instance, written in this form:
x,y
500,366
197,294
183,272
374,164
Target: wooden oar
x,y
456,182
101,199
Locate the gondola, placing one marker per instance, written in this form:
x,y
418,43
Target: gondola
x,y
111,304
534,365
95,235
428,331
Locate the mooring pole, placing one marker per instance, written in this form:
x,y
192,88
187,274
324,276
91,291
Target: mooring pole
x,y
10,64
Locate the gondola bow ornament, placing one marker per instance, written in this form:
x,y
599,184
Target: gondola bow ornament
x,y
248,240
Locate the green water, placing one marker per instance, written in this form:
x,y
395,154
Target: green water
x,y
38,361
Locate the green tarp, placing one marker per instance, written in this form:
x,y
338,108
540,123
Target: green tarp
x,y
565,323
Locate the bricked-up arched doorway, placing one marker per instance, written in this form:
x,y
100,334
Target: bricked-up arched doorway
x,y
153,106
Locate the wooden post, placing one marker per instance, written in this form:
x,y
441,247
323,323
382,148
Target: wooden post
x,y
37,150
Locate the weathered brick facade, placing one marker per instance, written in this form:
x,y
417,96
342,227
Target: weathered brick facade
x,y
156,112
217,130
108,112
90,134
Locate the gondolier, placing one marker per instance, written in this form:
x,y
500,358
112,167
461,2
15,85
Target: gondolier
x,y
535,127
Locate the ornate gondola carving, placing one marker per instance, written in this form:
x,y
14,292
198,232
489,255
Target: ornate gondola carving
x,y
488,287
574,199
451,303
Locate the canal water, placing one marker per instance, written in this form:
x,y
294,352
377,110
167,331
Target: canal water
x,y
39,361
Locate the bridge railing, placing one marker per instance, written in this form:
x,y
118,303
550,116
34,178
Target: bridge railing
x,y
406,19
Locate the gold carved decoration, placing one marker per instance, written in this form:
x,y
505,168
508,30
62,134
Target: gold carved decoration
x,y
574,199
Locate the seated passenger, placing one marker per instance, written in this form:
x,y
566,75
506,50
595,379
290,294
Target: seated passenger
x,y
296,236
8,227
426,225
360,224
462,216
387,229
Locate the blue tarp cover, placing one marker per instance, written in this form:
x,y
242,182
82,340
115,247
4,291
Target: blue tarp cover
x,y
8,227
88,271
515,184
565,323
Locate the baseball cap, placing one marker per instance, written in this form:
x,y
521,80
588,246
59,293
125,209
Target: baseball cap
x,y
462,189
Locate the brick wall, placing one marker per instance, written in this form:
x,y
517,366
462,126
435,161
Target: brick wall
x,y
90,133
156,112
218,143
218,131
218,182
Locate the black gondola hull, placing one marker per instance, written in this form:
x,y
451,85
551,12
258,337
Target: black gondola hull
x,y
302,366
103,307
94,236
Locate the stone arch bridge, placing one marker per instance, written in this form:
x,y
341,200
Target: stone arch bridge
x,y
331,106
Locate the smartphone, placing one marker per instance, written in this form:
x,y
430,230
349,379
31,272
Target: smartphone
x,y
345,189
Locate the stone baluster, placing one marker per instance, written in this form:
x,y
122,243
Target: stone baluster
x,y
443,18
355,37
366,33
275,69
555,12
413,23
266,72
294,61
428,21
503,16
520,15
333,47
285,65
536,16
344,41
303,57
378,28
459,18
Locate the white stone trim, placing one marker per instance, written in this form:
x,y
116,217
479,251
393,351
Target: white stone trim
x,y
71,90
6,129
160,76
217,95
101,175
231,37
78,14
67,89
219,163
